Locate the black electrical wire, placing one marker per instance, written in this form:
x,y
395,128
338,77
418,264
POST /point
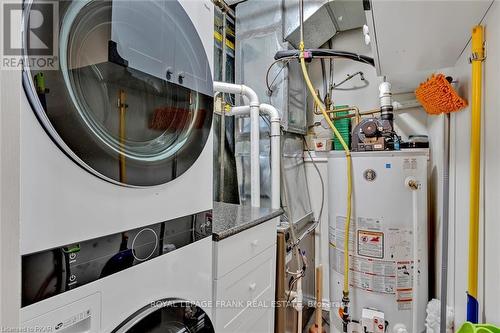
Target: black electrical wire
x,y
285,61
323,75
320,178
325,53
330,80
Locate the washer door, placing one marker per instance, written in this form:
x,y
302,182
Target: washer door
x,y
168,316
131,98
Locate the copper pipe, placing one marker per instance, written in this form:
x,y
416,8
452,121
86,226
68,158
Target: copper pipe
x,y
361,114
356,113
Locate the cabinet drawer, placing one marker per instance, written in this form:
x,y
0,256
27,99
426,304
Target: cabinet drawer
x,y
253,320
245,290
262,321
237,249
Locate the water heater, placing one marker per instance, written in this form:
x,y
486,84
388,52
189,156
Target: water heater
x,y
387,240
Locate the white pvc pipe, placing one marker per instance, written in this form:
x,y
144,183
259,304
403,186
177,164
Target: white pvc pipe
x,y
239,111
243,90
385,94
415,262
275,119
298,304
413,185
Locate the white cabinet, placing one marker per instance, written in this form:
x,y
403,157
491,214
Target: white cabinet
x,y
415,36
244,280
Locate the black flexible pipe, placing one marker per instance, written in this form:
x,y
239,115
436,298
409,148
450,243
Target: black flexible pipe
x,y
325,53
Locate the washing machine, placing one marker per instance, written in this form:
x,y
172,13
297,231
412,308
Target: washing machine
x,y
96,287
116,163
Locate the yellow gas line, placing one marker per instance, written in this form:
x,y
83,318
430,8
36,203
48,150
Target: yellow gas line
x,y
475,158
349,167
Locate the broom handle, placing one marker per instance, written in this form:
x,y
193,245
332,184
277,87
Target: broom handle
x,y
319,299
475,173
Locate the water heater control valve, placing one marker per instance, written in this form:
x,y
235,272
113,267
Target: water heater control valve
x,y
412,183
373,321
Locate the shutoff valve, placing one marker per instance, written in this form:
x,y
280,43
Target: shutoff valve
x,y
412,183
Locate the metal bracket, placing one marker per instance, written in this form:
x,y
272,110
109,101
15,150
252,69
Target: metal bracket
x,y
475,56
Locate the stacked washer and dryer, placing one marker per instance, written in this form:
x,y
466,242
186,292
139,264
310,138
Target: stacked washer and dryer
x,y
116,168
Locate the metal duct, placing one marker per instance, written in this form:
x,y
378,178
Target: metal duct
x,y
322,20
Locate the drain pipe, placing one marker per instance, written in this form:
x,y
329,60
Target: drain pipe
x,y
275,119
243,90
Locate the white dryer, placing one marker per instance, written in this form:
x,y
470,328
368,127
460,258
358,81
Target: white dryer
x,y
118,134
116,166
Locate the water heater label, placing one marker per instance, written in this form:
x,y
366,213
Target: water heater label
x,y
374,267
339,233
371,275
410,164
371,244
374,283
399,243
404,297
404,273
404,294
369,223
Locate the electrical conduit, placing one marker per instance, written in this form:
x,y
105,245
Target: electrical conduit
x,y
243,90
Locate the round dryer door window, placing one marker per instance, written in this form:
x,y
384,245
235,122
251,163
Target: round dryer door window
x,y
168,316
129,96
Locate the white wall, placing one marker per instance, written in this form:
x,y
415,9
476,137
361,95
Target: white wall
x,y
10,263
489,280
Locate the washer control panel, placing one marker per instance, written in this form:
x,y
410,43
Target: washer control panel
x,y
51,272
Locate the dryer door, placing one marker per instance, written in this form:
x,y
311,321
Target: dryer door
x,y
130,97
168,316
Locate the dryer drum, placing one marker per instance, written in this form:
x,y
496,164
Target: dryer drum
x,y
131,103
168,315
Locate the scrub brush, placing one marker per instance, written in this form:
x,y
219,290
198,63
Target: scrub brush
x,y
438,96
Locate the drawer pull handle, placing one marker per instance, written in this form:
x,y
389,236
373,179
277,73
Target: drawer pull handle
x,y
255,243
252,286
